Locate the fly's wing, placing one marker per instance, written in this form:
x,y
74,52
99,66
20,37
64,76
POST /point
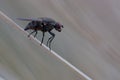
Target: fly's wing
x,y
29,19
46,19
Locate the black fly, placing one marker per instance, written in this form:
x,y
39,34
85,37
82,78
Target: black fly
x,y
43,24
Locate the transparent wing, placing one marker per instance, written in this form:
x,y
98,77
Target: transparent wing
x,y
29,19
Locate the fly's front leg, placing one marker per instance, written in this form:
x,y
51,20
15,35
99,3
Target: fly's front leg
x,y
50,39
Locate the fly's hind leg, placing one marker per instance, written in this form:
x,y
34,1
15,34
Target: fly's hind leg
x,y
35,33
31,33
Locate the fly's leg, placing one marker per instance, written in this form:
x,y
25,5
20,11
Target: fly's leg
x,y
42,38
31,33
35,33
50,39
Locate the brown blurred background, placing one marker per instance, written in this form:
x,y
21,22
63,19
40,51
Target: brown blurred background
x,y
90,40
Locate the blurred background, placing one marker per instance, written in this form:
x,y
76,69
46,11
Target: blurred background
x,y
90,40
